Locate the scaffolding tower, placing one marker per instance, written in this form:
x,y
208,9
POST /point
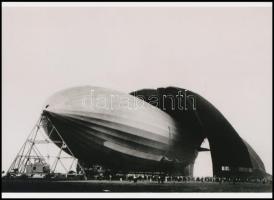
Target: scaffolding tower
x,y
29,160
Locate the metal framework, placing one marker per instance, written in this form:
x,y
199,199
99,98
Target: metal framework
x,y
29,152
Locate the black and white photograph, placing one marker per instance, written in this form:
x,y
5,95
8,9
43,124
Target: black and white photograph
x,y
136,100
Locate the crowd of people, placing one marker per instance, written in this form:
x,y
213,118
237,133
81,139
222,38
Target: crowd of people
x,y
165,179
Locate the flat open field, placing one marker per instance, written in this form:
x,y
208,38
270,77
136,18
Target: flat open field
x,y
125,186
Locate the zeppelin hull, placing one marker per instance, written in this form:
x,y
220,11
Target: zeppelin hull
x,y
119,136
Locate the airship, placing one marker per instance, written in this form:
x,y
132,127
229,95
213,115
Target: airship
x,y
147,130
117,130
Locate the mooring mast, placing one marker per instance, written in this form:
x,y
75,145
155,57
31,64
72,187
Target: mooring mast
x,y
29,160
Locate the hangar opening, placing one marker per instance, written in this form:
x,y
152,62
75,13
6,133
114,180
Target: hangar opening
x,y
203,163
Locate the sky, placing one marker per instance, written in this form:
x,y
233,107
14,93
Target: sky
x,y
221,53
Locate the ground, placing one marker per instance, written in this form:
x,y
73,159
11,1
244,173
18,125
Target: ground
x,y
125,186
